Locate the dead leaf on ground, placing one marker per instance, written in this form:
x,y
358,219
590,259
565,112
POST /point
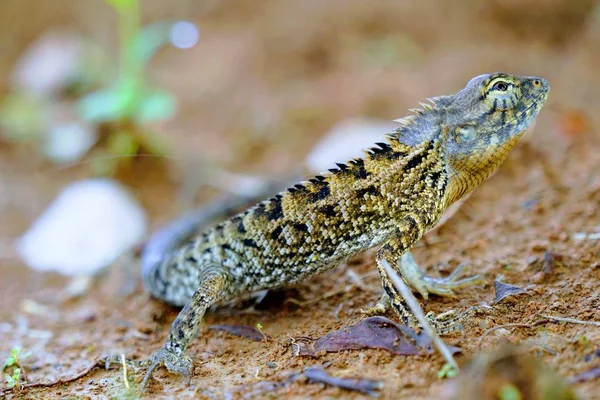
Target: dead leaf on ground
x,y
504,290
246,331
370,333
366,386
266,387
586,376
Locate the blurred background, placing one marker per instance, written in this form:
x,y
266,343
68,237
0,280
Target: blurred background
x,y
87,86
171,103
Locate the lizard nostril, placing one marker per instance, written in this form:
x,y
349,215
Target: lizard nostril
x,y
536,83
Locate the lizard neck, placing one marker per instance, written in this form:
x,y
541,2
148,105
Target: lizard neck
x,y
465,174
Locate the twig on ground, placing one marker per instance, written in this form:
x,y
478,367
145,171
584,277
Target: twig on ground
x,y
572,320
547,319
413,304
124,371
492,329
366,386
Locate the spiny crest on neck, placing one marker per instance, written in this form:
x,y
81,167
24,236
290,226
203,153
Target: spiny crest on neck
x,y
412,131
423,124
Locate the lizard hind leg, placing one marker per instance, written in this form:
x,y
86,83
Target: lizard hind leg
x,y
214,286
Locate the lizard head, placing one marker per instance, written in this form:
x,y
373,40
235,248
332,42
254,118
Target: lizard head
x,y
482,123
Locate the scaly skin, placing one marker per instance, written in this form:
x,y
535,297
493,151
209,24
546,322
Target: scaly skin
x,y
389,198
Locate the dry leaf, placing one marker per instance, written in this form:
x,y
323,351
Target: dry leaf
x,y
366,386
370,333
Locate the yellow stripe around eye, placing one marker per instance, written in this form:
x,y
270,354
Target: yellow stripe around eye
x,y
506,80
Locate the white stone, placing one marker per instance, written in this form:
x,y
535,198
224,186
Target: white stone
x,y
87,227
347,140
48,64
69,142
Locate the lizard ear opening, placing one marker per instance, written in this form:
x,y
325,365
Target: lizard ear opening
x,y
466,133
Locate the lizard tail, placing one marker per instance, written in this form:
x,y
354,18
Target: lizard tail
x,y
165,243
158,266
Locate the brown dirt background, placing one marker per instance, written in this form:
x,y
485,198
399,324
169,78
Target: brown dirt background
x,y
265,81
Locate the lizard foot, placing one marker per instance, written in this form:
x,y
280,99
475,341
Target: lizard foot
x,y
449,321
163,357
379,309
446,286
425,285
179,364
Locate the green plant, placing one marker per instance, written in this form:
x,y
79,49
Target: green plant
x,y
120,101
259,328
14,362
13,381
509,392
128,102
128,97
16,357
447,371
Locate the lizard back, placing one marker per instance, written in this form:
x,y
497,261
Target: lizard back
x,y
317,223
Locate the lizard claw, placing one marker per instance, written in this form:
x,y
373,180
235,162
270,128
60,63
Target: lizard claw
x,y
379,309
118,360
179,364
446,286
424,285
450,320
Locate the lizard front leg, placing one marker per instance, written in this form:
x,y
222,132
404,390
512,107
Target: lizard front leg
x,y
395,251
414,276
214,287
443,323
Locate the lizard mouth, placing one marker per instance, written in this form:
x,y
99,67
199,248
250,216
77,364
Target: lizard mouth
x,y
533,104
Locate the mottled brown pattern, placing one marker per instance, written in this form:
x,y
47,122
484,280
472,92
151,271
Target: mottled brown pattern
x,y
389,198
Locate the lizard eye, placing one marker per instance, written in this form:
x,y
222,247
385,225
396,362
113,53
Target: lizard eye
x,y
502,95
466,133
500,86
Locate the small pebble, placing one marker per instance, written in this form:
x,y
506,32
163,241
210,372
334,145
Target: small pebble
x,y
87,227
346,140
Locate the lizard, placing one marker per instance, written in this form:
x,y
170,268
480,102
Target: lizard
x,y
389,199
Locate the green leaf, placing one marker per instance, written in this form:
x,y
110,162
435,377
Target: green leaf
x,y
509,392
10,361
123,4
100,106
447,371
13,380
149,40
155,105
111,104
18,354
